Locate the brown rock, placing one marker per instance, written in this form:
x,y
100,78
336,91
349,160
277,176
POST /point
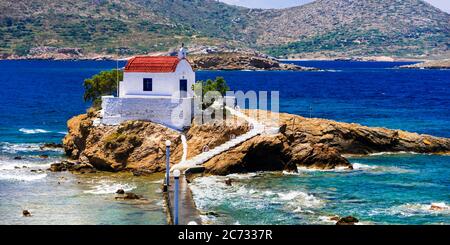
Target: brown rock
x,y
335,218
139,147
61,166
26,213
43,156
133,145
228,182
240,61
130,196
262,153
349,220
318,156
436,208
51,145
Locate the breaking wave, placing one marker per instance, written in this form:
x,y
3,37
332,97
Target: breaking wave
x,y
108,187
380,169
34,131
415,209
21,176
211,191
356,167
14,148
20,170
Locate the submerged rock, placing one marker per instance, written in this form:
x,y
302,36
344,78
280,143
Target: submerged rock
x,y
129,196
51,145
228,182
120,191
72,166
26,213
349,220
18,158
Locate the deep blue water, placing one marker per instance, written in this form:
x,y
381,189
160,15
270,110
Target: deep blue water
x,y
38,97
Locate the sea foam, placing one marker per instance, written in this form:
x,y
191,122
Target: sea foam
x,y
108,187
33,131
415,209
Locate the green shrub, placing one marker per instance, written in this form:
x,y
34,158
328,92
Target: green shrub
x,y
104,83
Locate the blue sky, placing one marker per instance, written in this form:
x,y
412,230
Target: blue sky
x,y
442,4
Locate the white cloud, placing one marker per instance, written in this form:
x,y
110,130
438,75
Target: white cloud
x,y
442,4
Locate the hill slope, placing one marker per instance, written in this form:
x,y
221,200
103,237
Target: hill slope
x,y
326,27
388,27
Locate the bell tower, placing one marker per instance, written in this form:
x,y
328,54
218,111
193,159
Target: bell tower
x,y
182,53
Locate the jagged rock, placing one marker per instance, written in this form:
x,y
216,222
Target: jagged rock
x,y
71,166
318,156
83,168
139,147
133,145
349,220
61,166
262,153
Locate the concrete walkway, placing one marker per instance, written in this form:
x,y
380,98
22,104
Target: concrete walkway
x,y
197,161
187,210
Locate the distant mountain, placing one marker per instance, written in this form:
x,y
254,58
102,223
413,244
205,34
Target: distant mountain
x,y
324,27
359,27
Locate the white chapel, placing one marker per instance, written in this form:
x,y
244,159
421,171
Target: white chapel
x,y
154,88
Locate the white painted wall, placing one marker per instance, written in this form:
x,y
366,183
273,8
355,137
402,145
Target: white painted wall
x,y
174,113
164,84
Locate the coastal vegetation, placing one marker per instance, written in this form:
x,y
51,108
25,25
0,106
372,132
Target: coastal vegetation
x,y
103,83
201,88
393,28
219,85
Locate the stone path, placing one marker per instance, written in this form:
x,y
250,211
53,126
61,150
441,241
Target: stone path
x,y
197,161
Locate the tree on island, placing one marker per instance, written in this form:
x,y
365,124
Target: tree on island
x,y
218,85
103,83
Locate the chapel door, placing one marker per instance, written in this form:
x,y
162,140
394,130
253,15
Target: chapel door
x,y
183,87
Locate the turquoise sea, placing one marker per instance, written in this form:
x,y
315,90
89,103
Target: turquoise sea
x,y
37,98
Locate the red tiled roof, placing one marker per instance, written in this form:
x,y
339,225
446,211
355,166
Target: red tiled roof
x,y
152,64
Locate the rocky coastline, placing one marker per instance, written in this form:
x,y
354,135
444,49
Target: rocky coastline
x,y
213,61
433,64
242,61
138,146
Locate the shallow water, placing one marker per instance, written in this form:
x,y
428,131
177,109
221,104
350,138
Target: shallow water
x,y
65,198
38,97
387,189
